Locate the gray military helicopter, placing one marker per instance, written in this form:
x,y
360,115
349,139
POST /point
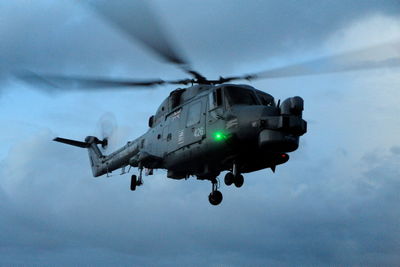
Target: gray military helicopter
x,y
206,129
207,126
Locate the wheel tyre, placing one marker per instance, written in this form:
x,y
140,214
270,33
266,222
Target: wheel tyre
x,y
239,180
133,182
229,178
215,197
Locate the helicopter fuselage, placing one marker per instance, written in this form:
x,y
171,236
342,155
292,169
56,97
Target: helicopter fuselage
x,y
205,129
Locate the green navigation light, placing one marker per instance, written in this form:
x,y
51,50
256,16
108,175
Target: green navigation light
x,y
219,136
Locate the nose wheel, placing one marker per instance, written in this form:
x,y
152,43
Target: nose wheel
x,y
215,197
229,178
239,180
234,178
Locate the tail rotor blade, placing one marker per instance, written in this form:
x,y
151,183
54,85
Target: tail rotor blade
x,y
107,125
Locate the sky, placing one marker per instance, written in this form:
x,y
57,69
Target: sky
x,y
336,202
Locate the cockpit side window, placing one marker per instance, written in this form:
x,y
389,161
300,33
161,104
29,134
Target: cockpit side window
x,y
194,114
265,99
240,96
215,99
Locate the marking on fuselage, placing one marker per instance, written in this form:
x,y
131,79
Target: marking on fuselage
x,y
181,137
198,132
231,123
176,114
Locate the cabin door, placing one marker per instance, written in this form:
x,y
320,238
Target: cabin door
x,y
193,127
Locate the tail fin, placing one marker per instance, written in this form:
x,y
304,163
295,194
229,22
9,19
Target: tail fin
x,y
95,154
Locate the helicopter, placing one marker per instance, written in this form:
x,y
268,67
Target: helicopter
x,y
204,130
204,127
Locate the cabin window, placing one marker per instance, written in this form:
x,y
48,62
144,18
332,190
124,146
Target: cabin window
x,y
142,143
215,99
175,97
194,114
240,96
151,121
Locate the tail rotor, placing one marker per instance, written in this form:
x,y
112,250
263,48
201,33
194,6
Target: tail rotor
x,y
107,126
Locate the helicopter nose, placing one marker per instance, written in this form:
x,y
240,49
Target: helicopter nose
x,y
277,141
281,133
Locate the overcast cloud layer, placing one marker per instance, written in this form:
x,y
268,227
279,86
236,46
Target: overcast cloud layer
x,y
335,202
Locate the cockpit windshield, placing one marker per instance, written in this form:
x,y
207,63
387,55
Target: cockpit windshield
x,y
240,96
266,100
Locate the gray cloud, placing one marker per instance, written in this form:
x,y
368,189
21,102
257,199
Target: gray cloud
x,y
218,35
54,209
395,150
335,202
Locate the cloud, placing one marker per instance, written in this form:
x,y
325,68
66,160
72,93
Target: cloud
x,y
69,38
370,104
395,150
53,207
335,201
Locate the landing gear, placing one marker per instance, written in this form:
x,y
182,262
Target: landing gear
x,y
229,178
239,180
135,181
215,197
234,177
140,180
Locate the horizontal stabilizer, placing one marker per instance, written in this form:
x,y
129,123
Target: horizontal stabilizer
x,y
72,142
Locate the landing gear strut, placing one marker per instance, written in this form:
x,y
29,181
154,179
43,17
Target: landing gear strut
x,y
234,177
215,197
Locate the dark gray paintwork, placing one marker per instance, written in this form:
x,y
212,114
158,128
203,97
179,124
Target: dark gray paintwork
x,y
257,136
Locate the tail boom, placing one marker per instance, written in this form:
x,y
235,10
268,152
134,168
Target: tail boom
x,y
100,163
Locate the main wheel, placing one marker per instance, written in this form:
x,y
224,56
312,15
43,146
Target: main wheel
x,y
133,182
215,197
239,180
229,178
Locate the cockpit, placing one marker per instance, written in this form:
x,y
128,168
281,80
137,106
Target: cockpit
x,y
236,95
265,99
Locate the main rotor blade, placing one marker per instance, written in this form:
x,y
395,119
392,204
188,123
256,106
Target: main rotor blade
x,y
75,82
136,19
89,83
349,61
